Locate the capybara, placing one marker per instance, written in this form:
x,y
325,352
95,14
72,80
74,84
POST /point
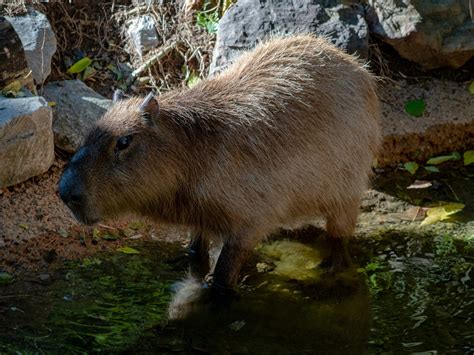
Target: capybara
x,y
286,133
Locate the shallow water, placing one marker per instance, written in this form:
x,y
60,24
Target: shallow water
x,y
411,290
407,293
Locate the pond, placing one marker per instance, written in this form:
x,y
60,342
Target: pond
x,y
407,293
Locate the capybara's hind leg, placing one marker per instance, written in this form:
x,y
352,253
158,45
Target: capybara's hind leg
x,y
340,227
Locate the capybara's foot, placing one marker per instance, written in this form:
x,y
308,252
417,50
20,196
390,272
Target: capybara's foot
x,y
338,259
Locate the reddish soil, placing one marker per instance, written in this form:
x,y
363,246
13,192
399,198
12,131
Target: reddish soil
x,y
37,231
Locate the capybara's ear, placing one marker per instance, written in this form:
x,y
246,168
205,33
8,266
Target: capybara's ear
x,y
118,95
150,108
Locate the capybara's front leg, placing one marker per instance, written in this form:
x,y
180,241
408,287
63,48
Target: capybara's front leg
x,y
199,251
340,228
339,258
234,253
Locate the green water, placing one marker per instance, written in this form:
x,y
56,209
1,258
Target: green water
x,y
407,293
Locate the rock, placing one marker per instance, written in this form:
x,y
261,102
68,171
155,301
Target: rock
x,y
249,21
26,139
39,42
44,277
13,65
431,33
446,125
142,34
77,108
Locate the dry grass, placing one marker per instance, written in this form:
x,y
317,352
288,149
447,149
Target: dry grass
x,y
98,30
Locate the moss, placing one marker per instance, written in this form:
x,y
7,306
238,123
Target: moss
x,y
293,260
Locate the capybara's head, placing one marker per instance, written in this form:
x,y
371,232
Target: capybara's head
x,y
125,163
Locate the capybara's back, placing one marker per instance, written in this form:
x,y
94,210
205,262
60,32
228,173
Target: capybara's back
x,y
285,134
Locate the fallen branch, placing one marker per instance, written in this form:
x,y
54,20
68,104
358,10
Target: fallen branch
x,y
150,61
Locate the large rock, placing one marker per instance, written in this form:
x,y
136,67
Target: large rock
x,y
446,125
77,108
39,42
249,21
13,65
142,34
431,33
26,139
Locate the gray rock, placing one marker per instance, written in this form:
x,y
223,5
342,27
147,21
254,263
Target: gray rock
x,y
142,34
431,33
77,108
446,125
39,42
26,139
45,277
249,21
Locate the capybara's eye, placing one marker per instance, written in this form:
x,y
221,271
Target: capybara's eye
x,y
123,142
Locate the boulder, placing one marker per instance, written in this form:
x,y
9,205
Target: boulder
x,y
249,21
142,34
76,108
13,65
446,125
26,139
433,34
39,42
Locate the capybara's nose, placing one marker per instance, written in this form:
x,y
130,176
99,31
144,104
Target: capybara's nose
x,y
70,190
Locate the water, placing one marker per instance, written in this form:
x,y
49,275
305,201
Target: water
x,y
408,292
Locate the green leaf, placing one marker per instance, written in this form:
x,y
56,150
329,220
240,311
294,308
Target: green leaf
x,y
209,21
5,278
444,158
432,169
471,88
136,225
411,167
193,80
469,157
12,89
113,68
415,108
441,213
88,73
80,65
128,250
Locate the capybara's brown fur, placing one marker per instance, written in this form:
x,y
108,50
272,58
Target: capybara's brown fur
x,y
286,133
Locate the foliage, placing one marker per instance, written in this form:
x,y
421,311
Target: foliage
x,y
211,13
208,20
411,167
442,213
431,169
378,280
80,65
6,278
471,88
12,89
468,157
128,250
415,108
444,158
193,80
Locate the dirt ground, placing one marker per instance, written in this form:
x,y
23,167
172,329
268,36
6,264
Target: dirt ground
x,y
38,232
